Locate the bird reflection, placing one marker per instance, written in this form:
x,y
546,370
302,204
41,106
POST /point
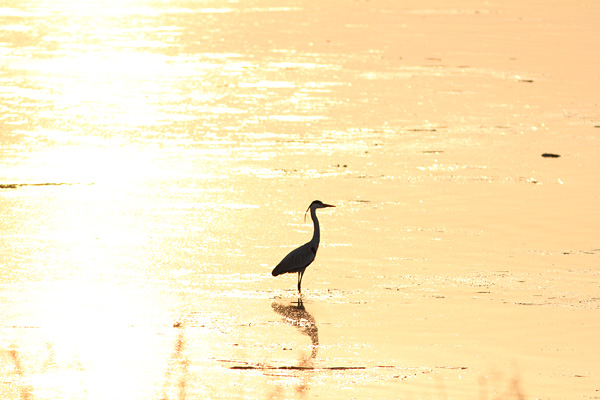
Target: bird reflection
x,y
296,315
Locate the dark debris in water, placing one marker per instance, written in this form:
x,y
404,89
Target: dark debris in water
x,y
293,367
550,155
591,251
18,185
244,365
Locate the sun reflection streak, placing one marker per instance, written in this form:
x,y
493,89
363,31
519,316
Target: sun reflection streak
x,y
100,7
104,333
114,166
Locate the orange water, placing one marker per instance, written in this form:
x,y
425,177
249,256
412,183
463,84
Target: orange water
x,y
157,158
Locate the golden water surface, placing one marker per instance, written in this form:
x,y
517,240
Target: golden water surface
x,y
156,158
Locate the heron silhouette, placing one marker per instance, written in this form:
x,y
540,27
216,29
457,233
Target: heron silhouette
x,y
298,259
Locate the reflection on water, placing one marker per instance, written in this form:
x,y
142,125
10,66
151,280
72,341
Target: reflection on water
x,y
144,146
177,372
296,315
12,358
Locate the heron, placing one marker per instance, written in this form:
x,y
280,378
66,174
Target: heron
x,y
298,259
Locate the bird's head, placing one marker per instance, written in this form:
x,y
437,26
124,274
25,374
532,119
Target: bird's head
x,y
319,204
316,204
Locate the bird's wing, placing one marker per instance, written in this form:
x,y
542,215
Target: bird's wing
x,y
297,260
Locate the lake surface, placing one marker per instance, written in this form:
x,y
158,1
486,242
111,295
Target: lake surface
x,y
157,157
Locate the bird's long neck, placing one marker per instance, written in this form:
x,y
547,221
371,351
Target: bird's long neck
x,y
317,233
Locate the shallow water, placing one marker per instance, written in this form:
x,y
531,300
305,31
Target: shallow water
x,y
157,158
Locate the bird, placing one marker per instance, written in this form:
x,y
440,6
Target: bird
x,y
298,259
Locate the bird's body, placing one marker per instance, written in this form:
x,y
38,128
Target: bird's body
x,y
298,259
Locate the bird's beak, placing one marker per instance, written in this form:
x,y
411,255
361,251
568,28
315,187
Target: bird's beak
x,y
327,205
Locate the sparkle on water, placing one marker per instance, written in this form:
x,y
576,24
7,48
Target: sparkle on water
x,y
157,157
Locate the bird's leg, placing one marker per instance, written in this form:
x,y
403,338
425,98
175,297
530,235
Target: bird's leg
x,y
300,274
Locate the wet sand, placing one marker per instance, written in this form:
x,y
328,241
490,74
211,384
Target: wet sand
x,y
156,168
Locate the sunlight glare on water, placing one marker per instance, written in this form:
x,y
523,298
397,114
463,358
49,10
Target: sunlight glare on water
x,y
157,158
